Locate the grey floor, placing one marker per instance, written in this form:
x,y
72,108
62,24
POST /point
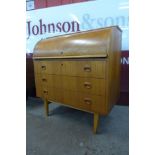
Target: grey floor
x,y
69,132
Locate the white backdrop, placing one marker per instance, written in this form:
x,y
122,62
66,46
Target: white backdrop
x,y
89,15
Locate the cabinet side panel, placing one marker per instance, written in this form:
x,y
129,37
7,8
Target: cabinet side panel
x,y
114,64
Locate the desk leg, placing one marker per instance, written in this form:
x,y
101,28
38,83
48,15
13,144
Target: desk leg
x,y
46,107
96,121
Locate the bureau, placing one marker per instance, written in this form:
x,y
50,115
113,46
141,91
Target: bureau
x,y
80,70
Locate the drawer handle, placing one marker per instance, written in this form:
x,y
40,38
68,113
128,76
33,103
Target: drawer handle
x,y
45,92
43,67
87,68
44,80
88,101
87,85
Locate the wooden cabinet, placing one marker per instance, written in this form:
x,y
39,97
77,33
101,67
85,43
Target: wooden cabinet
x,y
80,70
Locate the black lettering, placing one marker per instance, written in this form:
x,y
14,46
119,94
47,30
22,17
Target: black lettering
x,y
49,27
64,28
29,28
59,26
35,29
75,24
42,26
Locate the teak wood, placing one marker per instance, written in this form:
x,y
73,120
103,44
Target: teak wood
x,y
80,70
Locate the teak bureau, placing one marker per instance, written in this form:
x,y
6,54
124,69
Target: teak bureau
x,y
80,70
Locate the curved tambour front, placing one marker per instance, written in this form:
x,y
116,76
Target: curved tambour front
x,y
79,45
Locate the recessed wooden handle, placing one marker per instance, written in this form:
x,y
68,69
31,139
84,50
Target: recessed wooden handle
x,y
87,100
45,92
43,67
43,79
87,85
87,68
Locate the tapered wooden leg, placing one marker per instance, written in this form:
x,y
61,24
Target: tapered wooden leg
x,y
96,121
46,107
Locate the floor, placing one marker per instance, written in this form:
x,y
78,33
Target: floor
x,y
69,132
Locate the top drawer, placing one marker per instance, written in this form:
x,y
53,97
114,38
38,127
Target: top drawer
x,y
82,68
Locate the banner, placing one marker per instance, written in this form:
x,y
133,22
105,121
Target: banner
x,y
54,21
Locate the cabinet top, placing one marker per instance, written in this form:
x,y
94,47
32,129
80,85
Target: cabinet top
x,y
92,43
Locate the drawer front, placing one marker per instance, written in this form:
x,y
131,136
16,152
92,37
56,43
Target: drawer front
x,y
79,84
79,68
76,100
82,68
84,101
48,67
94,69
85,85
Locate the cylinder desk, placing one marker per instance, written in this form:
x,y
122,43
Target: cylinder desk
x,y
80,70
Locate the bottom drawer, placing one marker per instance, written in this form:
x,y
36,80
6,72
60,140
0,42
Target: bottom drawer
x,y
82,101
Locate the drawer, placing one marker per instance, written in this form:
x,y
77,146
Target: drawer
x,y
79,100
84,101
93,68
48,67
81,68
79,84
83,84
96,103
91,86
